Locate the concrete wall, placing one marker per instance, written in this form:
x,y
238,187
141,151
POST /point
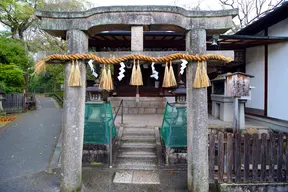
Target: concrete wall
x,y
278,73
255,67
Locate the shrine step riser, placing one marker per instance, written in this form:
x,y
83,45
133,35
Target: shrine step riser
x,y
146,105
137,149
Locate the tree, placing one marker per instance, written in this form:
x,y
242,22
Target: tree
x,y
12,51
18,15
38,40
250,10
11,78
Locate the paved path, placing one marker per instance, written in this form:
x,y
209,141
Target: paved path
x,y
27,144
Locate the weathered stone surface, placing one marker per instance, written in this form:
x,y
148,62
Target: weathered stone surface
x,y
73,118
160,111
141,110
139,104
126,110
157,17
197,123
155,104
149,110
133,110
130,104
259,187
137,38
145,104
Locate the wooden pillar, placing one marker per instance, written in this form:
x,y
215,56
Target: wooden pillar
x,y
197,119
73,118
137,45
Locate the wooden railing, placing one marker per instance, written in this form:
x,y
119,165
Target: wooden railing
x,y
246,158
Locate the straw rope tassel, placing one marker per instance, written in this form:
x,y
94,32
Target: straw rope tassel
x,y
39,67
201,78
77,76
139,79
166,77
108,84
133,74
71,75
103,77
172,79
204,75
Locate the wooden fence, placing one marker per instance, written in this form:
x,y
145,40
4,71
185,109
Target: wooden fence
x,y
14,103
246,158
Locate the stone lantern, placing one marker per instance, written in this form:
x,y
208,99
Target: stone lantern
x,y
180,93
2,93
94,94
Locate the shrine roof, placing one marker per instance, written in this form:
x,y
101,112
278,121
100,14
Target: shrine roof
x,y
165,39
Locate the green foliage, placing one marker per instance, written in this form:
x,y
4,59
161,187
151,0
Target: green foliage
x,y
11,78
48,80
12,51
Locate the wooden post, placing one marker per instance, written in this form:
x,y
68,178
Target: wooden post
x,y
212,157
197,119
236,115
73,118
230,139
220,157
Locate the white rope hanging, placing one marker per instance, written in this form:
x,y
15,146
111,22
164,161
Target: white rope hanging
x,y
121,72
92,68
154,72
183,66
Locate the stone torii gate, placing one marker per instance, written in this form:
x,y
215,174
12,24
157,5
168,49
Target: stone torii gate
x,y
77,27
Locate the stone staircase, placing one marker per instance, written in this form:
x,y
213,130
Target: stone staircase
x,y
137,149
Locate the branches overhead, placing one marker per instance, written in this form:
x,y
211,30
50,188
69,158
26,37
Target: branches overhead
x,y
191,5
250,10
18,15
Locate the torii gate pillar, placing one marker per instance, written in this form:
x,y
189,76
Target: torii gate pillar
x,y
73,117
197,119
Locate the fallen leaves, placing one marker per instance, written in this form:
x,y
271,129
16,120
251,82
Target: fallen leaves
x,y
6,119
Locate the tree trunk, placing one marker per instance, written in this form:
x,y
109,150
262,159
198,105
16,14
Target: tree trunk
x,y
26,77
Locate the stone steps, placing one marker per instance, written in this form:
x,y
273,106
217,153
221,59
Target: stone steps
x,y
138,145
137,149
137,153
136,163
138,131
133,138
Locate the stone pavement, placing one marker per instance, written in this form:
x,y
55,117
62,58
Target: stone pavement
x,y
95,179
27,144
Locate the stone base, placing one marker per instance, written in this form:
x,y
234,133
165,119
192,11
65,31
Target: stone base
x,y
95,153
146,105
251,187
175,156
